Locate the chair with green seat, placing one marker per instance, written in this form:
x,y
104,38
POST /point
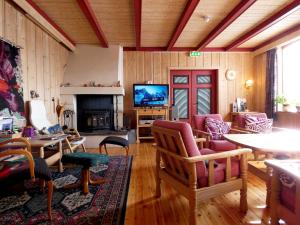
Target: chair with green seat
x,y
86,160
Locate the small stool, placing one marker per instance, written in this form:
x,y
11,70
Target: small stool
x,y
114,140
86,160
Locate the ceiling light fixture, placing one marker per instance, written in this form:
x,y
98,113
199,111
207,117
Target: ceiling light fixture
x,y
206,18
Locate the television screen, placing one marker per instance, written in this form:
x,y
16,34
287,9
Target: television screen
x,y
150,95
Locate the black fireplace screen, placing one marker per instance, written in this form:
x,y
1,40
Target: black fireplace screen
x,y
98,119
95,112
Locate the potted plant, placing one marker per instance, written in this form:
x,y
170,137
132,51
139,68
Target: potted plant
x,y
280,100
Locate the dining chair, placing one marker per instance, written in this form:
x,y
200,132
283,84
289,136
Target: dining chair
x,y
23,168
196,176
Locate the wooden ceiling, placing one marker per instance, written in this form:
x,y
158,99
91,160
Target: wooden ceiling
x,y
233,25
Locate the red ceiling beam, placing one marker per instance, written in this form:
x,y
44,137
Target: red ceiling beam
x,y
184,49
187,13
91,17
286,11
229,19
138,22
277,37
44,14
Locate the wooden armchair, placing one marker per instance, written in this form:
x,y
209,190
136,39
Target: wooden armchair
x,y
38,119
240,121
200,131
285,191
30,168
180,163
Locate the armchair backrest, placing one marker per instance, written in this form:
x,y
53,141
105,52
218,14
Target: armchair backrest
x,y
38,114
240,119
177,138
199,120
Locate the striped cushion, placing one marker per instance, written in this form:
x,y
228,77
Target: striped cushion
x,y
260,125
216,128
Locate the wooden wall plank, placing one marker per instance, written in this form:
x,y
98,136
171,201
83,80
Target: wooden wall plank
x,y
39,63
31,58
1,18
148,66
35,46
157,65
10,22
165,63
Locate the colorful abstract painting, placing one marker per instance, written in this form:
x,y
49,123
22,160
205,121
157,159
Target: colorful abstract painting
x,y
11,91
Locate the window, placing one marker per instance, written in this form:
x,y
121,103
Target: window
x,y
291,72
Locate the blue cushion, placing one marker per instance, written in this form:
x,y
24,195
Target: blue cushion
x,y
55,129
85,159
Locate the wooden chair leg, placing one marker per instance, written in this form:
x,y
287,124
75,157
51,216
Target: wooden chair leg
x,y
193,211
100,149
83,147
85,173
50,193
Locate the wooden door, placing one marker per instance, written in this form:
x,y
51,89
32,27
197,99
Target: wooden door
x,y
193,92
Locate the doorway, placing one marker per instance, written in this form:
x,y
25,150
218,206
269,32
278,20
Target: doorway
x,y
193,92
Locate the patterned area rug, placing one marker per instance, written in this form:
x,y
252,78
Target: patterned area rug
x,y
105,204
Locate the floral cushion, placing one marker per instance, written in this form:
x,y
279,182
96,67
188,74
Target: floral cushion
x,y
216,128
258,124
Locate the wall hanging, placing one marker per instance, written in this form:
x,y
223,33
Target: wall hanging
x,y
11,91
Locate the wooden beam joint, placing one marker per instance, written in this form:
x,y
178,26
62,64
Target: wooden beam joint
x,y
283,13
186,15
92,19
229,19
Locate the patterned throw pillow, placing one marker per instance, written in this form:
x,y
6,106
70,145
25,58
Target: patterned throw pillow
x,y
260,125
216,128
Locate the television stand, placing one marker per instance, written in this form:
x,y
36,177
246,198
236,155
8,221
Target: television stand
x,y
143,130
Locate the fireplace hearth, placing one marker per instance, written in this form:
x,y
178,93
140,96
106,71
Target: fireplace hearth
x,y
95,113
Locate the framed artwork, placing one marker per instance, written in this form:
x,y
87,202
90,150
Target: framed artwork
x,y
11,91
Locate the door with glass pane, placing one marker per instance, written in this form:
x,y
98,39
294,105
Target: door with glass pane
x,y
193,92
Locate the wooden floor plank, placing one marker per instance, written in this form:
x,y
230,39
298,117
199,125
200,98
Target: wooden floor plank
x,y
172,209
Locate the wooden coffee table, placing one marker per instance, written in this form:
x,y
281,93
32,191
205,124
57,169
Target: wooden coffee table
x,y
271,144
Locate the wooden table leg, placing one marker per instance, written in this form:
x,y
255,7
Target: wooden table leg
x,y
60,165
42,154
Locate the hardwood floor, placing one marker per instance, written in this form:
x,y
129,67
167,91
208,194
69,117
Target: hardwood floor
x,y
172,209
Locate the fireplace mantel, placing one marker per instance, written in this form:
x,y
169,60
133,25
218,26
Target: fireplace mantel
x,y
92,90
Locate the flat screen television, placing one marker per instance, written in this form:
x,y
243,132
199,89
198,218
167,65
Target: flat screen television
x,y
150,95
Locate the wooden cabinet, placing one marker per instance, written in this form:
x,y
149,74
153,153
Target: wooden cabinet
x,y
145,118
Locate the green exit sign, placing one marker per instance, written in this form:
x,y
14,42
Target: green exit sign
x,y
194,53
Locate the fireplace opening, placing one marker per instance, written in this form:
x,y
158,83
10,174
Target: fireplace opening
x,y
95,113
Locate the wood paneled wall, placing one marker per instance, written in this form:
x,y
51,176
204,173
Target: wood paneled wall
x,y
260,68
43,58
154,66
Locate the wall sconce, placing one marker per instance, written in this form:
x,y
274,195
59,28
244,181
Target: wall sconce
x,y
248,84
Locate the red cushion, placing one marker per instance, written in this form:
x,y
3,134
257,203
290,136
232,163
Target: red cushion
x,y
216,128
221,145
188,140
240,119
288,197
199,120
220,173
